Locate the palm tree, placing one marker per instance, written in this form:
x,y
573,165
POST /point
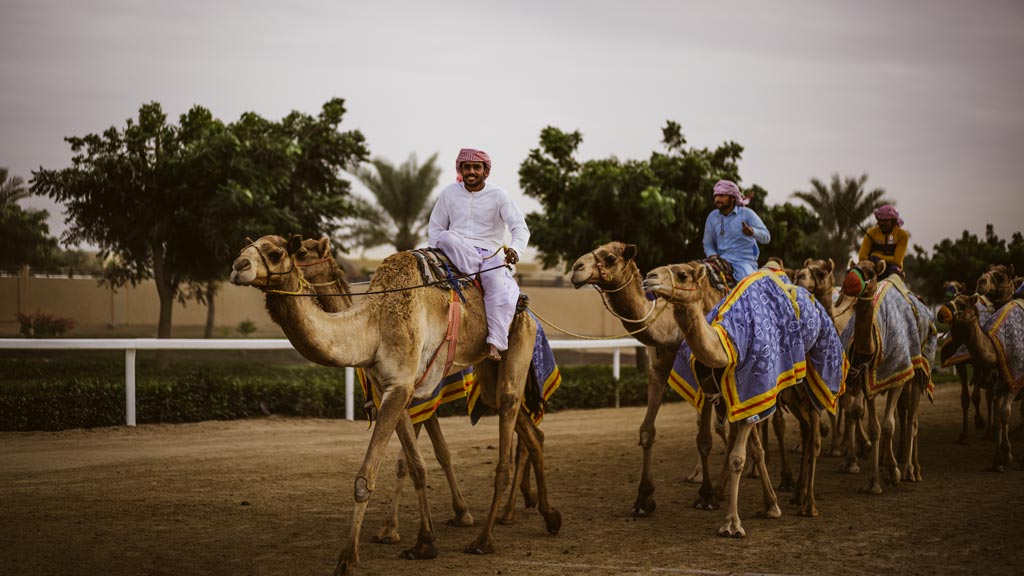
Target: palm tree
x,y
842,207
12,189
403,204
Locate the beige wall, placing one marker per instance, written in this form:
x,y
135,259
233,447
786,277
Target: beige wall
x,y
100,311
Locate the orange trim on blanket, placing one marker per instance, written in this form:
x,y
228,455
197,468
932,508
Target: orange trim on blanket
x,y
689,392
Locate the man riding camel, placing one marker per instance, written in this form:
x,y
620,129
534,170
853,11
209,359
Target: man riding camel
x,y
468,224
886,242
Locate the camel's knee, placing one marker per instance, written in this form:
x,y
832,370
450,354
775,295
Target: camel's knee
x,y
736,463
400,468
509,401
362,489
647,437
704,443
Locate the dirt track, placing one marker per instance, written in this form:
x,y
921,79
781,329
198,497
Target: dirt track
x,y
273,496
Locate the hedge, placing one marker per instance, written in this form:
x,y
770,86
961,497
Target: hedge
x,y
62,393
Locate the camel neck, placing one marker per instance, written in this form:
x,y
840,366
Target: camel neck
x,y
699,335
863,324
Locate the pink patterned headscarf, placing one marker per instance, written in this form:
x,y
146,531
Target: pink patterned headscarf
x,y
729,188
470,155
888,212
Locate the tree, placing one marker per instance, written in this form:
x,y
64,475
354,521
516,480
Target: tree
x,y
963,260
24,233
842,207
12,188
659,204
794,230
403,205
173,203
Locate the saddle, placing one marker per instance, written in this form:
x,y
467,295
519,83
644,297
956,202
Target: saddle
x,y
438,271
720,274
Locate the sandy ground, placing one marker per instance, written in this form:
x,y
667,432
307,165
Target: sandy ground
x,y
274,496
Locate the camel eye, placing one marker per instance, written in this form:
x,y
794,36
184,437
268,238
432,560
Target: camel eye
x,y
303,252
609,259
681,276
275,256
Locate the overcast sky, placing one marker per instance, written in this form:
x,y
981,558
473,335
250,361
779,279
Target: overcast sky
x,y
925,96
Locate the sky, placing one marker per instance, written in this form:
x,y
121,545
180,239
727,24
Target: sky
x,y
925,96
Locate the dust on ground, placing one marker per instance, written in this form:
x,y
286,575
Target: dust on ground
x,y
274,496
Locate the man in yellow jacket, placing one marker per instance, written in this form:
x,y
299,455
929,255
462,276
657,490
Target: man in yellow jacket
x,y
886,242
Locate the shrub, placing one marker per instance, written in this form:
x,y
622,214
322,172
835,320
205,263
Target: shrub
x,y
41,325
246,327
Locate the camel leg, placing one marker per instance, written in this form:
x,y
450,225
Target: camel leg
x,y
388,533
874,432
525,486
508,513
808,468
444,458
726,473
835,425
891,469
979,419
510,381
771,500
965,401
1003,410
798,410
853,411
424,548
657,380
913,405
706,497
531,439
779,425
739,433
391,410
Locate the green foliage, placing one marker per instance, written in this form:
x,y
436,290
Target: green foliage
x,y
795,231
842,208
174,202
246,327
40,325
659,204
55,393
402,208
24,233
963,260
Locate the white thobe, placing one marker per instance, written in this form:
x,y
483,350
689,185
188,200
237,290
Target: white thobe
x,y
469,227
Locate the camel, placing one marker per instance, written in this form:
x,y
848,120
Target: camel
x,y
948,349
893,343
399,332
611,269
319,268
797,334
997,283
996,348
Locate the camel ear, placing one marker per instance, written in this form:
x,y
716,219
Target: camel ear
x,y
831,266
974,298
1012,273
808,262
323,247
699,272
629,252
248,241
295,243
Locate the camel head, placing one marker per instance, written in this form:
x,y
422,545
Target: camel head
x,y
816,276
677,283
317,264
862,279
266,263
954,308
608,267
997,282
951,289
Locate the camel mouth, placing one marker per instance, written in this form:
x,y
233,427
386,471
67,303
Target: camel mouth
x,y
242,277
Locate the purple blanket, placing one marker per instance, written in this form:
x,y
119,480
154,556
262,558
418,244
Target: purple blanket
x,y
775,335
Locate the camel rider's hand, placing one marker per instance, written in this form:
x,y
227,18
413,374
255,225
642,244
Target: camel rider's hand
x,y
511,257
747,229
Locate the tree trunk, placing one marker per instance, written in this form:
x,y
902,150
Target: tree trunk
x,y
165,291
211,292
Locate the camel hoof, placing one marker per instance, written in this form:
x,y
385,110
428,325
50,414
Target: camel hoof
x,y
479,548
732,530
421,551
771,513
507,519
850,468
386,539
706,502
644,506
695,478
347,563
461,521
873,488
785,485
553,521
809,512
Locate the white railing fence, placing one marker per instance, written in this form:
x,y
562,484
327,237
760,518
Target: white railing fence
x,y
132,345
